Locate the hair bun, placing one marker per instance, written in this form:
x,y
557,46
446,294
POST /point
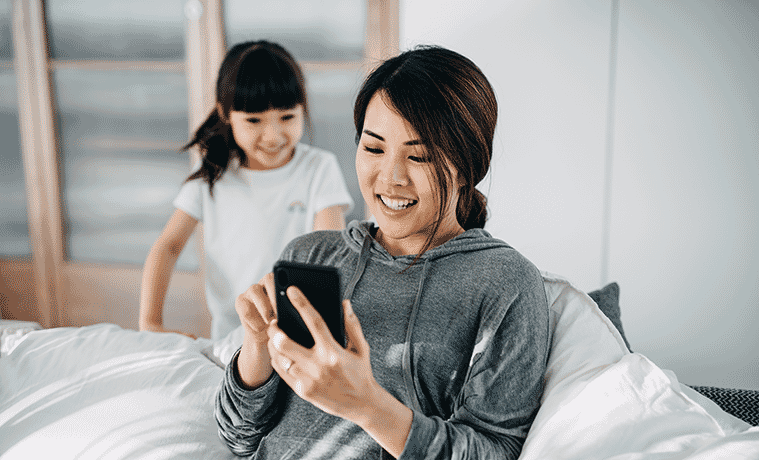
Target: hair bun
x,y
471,210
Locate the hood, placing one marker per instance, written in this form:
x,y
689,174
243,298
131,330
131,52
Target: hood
x,y
475,239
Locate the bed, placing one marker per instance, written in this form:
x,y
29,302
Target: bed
x,y
103,392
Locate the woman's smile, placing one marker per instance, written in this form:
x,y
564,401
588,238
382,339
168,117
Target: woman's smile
x,y
396,204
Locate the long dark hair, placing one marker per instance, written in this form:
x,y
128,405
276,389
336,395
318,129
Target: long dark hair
x,y
254,77
450,104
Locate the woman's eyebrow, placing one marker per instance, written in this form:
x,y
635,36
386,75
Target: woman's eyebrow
x,y
411,142
366,131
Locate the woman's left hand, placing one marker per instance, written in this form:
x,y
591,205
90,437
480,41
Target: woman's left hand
x,y
337,380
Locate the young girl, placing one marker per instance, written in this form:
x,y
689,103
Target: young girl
x,y
447,327
256,187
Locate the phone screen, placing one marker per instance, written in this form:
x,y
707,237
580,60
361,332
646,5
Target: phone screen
x,y
321,286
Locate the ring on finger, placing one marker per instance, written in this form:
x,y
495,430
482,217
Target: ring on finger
x,y
287,364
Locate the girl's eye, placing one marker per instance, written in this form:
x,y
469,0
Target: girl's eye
x,y
254,120
372,149
418,159
288,117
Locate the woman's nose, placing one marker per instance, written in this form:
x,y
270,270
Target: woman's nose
x,y
394,172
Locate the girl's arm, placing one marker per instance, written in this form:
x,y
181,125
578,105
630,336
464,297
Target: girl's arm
x,y
332,218
158,267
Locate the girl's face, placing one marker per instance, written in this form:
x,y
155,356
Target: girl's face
x,y
268,138
396,180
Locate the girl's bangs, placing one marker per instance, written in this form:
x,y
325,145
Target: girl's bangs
x,y
261,86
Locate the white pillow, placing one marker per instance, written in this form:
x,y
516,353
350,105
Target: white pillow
x,y
601,401
584,340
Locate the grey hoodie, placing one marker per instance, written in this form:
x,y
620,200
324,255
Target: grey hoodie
x,y
461,338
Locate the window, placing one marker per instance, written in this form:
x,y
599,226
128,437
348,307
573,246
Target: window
x,y
111,91
121,117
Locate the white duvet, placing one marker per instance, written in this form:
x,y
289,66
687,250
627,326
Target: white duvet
x,y
102,392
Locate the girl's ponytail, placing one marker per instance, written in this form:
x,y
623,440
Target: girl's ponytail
x,y
212,139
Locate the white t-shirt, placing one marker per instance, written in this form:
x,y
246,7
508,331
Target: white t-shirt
x,y
252,216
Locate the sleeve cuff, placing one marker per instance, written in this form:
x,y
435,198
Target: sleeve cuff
x,y
190,199
324,202
255,400
420,437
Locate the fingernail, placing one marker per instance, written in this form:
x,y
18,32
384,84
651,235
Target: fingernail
x,y
294,293
277,340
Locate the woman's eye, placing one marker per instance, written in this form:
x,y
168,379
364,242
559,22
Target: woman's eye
x,y
418,159
288,117
372,149
254,120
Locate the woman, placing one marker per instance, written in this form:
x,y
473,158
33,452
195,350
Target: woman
x,y
446,327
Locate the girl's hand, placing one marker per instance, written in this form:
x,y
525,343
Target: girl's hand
x,y
176,331
160,328
337,380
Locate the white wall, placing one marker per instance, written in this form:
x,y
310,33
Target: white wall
x,y
548,63
685,186
684,160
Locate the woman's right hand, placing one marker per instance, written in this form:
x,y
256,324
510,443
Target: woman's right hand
x,y
255,307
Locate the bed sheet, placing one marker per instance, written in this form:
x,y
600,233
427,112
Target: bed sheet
x,y
106,392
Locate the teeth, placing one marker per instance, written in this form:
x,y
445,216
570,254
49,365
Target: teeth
x,y
396,204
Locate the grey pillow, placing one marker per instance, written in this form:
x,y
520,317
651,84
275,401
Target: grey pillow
x,y
607,299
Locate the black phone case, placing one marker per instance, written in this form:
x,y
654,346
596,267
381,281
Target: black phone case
x,y
321,286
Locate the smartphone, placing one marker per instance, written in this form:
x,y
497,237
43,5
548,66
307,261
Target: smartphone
x,y
321,286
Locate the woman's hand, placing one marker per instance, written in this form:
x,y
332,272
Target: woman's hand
x,y
337,380
255,307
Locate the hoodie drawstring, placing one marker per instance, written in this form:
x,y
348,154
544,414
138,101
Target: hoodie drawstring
x,y
360,267
408,349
